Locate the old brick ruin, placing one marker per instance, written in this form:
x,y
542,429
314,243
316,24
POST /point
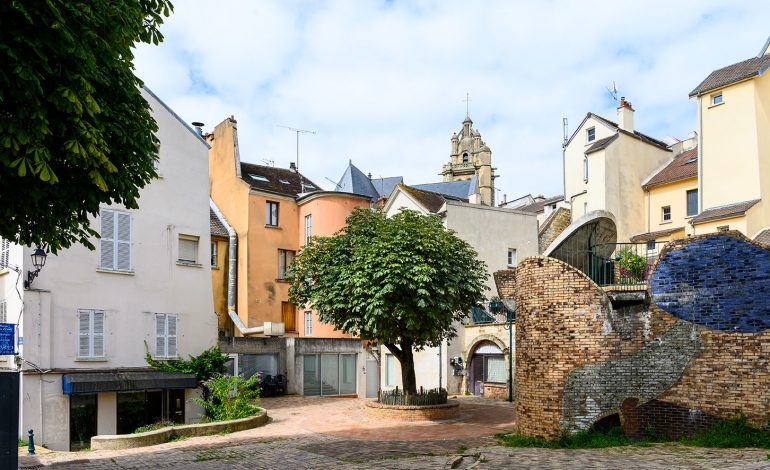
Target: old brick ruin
x,y
693,347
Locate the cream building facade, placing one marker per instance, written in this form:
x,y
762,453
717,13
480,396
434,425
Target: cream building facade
x,y
90,315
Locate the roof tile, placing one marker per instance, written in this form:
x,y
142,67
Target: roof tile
x,y
724,212
732,73
276,180
684,165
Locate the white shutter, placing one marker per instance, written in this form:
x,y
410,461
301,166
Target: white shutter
x,y
188,250
107,241
123,242
3,311
160,335
5,249
171,325
84,333
97,333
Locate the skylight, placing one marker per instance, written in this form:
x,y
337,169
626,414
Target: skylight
x,y
692,160
284,181
259,178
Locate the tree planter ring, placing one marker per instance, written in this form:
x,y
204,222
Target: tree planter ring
x,y
378,410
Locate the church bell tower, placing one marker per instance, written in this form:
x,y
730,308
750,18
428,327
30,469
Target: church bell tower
x,y
471,157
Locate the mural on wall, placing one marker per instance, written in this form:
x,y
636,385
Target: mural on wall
x,y
697,350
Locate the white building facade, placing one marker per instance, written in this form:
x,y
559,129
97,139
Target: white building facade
x,y
90,316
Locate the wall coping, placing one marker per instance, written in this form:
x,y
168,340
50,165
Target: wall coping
x,y
159,436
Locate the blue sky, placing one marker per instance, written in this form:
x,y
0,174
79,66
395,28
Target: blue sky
x,y
383,83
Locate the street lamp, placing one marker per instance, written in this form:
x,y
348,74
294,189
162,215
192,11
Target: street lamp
x,y
38,261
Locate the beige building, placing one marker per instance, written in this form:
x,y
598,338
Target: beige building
x,y
605,164
501,237
471,158
734,144
90,316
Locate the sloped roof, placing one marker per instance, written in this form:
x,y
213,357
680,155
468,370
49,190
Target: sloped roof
x,y
763,237
724,212
602,144
653,235
215,225
278,180
355,181
457,189
733,73
684,165
636,134
430,200
538,206
385,186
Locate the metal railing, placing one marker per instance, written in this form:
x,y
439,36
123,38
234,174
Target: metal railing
x,y
616,266
489,312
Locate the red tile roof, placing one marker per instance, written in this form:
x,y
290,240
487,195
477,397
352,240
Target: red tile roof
x,y
763,237
653,235
724,212
284,181
684,165
215,225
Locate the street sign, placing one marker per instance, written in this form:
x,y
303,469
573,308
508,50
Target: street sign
x,y
7,339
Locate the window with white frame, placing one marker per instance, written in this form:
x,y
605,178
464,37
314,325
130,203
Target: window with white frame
x,y
511,257
271,214
188,249
590,134
285,257
585,169
115,241
308,228
308,323
651,245
214,254
165,335
666,213
716,99
390,370
3,311
90,333
5,251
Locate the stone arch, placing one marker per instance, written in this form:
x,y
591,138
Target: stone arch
x,y
478,341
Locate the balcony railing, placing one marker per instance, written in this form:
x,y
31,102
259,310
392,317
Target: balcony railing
x,y
489,312
616,266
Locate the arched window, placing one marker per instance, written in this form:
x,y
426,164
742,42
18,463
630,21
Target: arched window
x,y
465,157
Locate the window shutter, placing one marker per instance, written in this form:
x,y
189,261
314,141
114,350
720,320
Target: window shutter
x,y
4,251
84,333
97,333
123,241
160,335
3,311
171,325
188,250
107,241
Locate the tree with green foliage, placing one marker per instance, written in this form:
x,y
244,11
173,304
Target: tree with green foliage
x,y
205,365
402,281
75,131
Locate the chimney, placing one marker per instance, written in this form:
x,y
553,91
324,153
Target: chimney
x,y
625,115
369,176
293,166
198,127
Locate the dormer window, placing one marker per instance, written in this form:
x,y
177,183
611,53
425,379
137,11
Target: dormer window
x,y
716,99
465,157
259,178
590,134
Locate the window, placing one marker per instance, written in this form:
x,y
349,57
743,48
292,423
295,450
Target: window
x,y
259,178
5,250
666,213
651,245
90,333
272,214
165,335
390,370
285,257
3,311
692,202
308,323
585,169
329,374
511,257
590,134
724,228
308,228
495,369
188,249
716,99
465,157
115,242
213,254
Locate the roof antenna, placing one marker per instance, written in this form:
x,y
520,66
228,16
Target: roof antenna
x,y
336,185
268,162
565,126
298,132
613,92
467,103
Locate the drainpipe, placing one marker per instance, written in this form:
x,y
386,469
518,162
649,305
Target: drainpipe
x,y
231,274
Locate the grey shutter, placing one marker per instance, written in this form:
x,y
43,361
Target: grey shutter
x,y
97,333
107,241
3,311
4,251
171,325
123,241
84,333
160,335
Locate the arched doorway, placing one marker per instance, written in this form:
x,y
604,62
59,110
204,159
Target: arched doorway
x,y
486,366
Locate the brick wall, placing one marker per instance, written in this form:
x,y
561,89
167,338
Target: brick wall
x,y
552,226
579,358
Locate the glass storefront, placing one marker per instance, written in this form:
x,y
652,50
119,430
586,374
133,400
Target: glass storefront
x,y
329,374
82,421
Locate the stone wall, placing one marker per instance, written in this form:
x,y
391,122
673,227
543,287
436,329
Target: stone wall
x,y
580,358
552,226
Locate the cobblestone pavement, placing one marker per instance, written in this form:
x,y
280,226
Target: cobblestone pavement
x,y
316,433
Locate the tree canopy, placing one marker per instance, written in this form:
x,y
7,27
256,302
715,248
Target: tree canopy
x,y
75,131
402,281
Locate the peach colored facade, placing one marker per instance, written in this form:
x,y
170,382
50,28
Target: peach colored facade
x,y
261,294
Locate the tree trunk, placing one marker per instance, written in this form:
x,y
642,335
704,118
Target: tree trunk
x,y
405,357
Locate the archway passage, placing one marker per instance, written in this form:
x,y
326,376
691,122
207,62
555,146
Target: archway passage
x,y
486,367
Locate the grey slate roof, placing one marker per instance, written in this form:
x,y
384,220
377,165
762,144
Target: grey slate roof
x,y
459,189
355,181
432,201
763,237
385,186
653,235
279,180
733,73
216,226
602,144
636,134
724,212
538,206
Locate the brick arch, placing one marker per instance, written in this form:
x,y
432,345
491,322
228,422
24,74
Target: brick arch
x,y
481,339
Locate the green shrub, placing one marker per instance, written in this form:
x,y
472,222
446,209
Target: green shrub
x,y
731,433
229,397
153,426
204,365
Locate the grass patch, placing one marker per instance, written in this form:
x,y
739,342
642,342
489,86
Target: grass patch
x,y
23,443
589,439
154,426
461,449
731,433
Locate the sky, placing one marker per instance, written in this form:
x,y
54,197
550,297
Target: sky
x,y
384,83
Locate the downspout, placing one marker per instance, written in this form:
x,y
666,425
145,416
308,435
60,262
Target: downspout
x,y
231,275
648,209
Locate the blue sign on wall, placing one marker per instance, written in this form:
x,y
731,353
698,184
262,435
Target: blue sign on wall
x,y
7,338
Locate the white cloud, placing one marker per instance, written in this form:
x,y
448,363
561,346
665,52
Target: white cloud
x,y
383,82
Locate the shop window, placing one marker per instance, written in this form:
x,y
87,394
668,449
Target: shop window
x,y
329,374
82,421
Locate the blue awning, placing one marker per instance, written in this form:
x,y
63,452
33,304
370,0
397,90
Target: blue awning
x,y
97,382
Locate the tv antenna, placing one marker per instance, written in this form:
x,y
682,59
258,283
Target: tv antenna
x,y
565,127
298,132
268,162
336,185
613,91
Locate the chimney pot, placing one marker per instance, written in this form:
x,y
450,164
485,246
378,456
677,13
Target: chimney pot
x,y
292,166
198,127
